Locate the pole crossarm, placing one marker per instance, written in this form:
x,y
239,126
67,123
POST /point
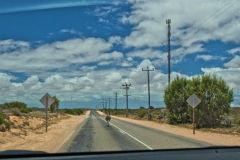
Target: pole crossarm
x,y
148,69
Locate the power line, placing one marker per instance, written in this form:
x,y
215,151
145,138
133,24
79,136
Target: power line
x,y
148,70
126,87
212,17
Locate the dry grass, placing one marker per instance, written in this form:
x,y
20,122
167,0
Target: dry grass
x,y
29,132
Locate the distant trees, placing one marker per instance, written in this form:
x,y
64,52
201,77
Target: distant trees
x,y
215,98
76,111
54,106
22,107
151,107
141,107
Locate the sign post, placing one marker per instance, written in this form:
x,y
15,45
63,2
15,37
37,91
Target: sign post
x,y
46,100
193,101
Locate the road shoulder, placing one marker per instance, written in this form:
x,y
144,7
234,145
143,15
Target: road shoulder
x,y
211,138
49,142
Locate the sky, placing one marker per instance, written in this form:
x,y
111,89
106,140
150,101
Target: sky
x,y
82,51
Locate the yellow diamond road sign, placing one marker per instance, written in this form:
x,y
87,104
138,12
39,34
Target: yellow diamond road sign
x,y
193,100
47,100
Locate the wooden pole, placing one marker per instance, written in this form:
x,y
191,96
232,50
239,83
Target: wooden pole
x,y
193,120
149,112
127,101
168,22
46,113
126,87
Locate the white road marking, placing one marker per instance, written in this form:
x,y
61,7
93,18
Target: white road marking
x,y
122,131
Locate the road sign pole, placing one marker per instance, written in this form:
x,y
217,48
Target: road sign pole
x,y
47,100
46,114
193,101
193,120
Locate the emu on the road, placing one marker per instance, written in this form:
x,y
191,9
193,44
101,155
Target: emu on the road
x,y
108,118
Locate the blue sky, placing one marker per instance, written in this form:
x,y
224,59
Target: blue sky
x,y
87,49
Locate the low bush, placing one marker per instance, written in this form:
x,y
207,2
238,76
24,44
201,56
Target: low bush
x,y
1,118
141,113
15,112
227,123
3,123
22,107
7,125
236,119
74,111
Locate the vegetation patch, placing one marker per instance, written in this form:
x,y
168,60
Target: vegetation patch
x,y
215,96
17,107
4,125
73,111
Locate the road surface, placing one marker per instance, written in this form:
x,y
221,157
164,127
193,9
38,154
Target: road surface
x,y
94,135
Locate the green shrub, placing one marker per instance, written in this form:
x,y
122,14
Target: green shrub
x,y
215,95
151,107
7,125
1,118
2,121
74,111
55,105
25,110
15,112
22,107
14,105
141,113
236,119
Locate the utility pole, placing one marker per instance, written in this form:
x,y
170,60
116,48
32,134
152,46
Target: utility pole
x,y
168,22
148,70
103,104
116,102
109,100
106,102
126,87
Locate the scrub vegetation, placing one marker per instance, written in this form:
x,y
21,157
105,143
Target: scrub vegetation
x,y
215,96
214,113
17,115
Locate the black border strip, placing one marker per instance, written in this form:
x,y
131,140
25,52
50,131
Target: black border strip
x,y
110,152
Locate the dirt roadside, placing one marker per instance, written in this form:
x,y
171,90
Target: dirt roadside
x,y
212,138
49,142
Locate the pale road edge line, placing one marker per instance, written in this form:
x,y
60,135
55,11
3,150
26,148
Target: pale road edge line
x,y
130,135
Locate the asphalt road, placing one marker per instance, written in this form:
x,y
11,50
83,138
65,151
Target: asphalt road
x,y
94,135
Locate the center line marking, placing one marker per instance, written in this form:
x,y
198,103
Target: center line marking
x,y
122,131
